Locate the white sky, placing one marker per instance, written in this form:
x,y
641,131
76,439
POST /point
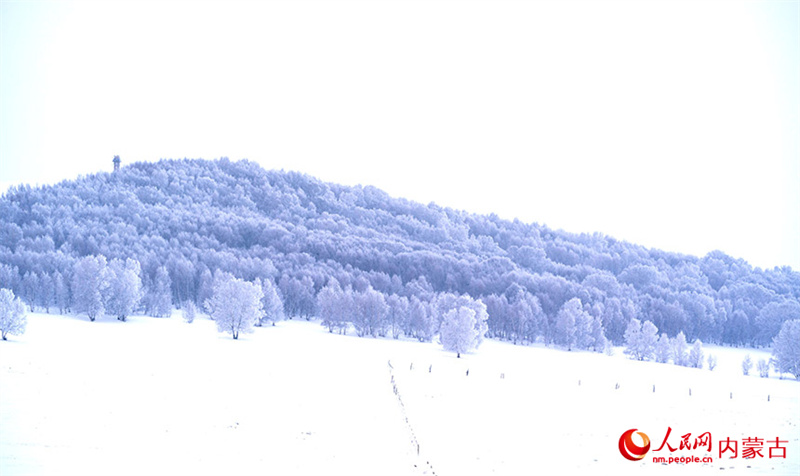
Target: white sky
x,y
673,125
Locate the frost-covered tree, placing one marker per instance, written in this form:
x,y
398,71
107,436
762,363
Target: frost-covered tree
x,y
680,350
786,348
772,316
31,289
633,335
649,339
566,332
663,349
235,305
747,364
189,311
47,292
583,330
161,294
12,314
335,306
398,310
370,313
124,289
89,283
712,362
421,320
458,333
599,343
696,355
763,368
61,289
205,287
271,302
640,339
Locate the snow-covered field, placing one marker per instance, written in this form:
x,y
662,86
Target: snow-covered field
x,y
160,396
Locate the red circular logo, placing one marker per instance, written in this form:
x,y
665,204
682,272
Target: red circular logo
x,y
631,450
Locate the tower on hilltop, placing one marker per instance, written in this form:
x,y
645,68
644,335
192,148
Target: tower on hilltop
x,y
116,163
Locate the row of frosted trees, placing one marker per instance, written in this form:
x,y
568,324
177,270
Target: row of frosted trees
x,y
373,313
97,286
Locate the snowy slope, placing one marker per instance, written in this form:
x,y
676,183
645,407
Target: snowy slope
x,y
159,396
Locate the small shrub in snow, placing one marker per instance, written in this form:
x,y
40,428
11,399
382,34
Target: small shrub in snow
x,y
12,314
747,364
712,362
763,368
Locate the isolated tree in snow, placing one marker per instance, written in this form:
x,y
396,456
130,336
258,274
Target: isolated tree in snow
x,y
679,350
235,305
712,362
747,364
12,314
696,355
786,348
89,282
458,332
763,368
124,287
663,349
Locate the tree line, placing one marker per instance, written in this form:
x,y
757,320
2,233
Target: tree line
x,y
178,223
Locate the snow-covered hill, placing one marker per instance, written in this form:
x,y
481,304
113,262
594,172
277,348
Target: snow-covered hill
x,y
160,396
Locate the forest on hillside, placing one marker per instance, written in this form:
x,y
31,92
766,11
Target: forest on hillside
x,y
183,221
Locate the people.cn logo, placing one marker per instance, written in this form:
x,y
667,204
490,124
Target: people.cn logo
x,y
631,450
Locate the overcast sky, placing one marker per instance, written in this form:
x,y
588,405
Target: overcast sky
x,y
673,125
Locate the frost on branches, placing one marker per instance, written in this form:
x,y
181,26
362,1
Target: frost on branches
x,y
458,333
786,348
12,314
641,340
124,287
235,305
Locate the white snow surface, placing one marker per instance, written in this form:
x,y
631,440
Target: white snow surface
x,y
160,396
